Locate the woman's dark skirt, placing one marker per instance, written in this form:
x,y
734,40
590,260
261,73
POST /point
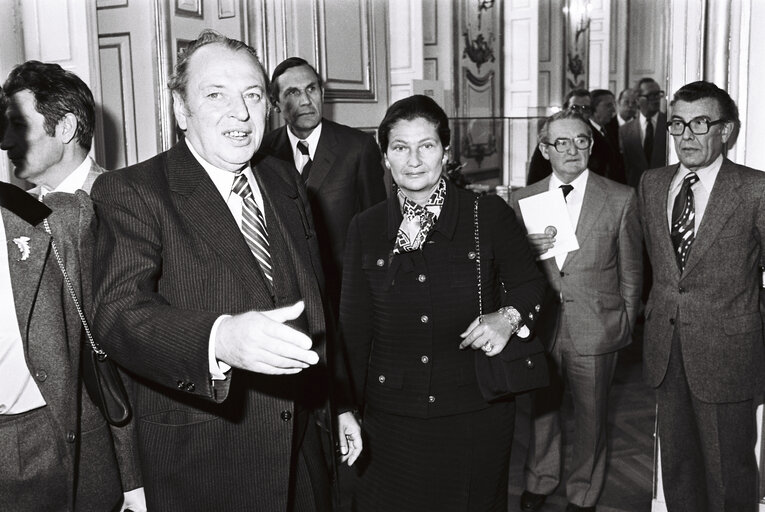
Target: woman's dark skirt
x,y
454,463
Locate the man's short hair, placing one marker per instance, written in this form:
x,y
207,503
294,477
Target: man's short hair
x,y
180,78
624,93
645,80
598,95
575,93
291,62
544,132
57,92
695,91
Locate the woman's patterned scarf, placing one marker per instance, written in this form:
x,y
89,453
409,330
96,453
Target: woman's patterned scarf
x,y
418,220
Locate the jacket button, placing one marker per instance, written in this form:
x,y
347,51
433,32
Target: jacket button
x,y
421,278
431,399
681,290
380,262
286,415
71,437
381,379
672,321
424,319
190,387
41,375
471,255
562,274
424,359
181,385
530,364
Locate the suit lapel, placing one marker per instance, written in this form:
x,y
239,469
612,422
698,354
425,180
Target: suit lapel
x,y
723,201
27,273
324,157
200,203
594,200
282,148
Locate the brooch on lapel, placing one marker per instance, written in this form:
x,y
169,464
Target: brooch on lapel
x,y
22,243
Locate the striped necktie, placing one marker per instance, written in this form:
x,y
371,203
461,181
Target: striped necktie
x,y
683,218
303,148
254,226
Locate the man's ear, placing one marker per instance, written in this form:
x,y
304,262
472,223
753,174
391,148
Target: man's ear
x,y
727,130
66,128
179,109
544,149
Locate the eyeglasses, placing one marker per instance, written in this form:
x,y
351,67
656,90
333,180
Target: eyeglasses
x,y
698,125
581,142
584,109
652,95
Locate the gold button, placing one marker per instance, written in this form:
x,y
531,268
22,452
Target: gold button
x,y
431,399
380,262
421,278
381,378
424,359
424,319
530,364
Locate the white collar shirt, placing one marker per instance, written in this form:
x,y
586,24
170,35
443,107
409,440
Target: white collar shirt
x,y
71,183
312,141
701,190
644,121
574,202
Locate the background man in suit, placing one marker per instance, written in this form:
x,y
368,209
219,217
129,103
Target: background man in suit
x,y
626,106
343,168
588,315
644,139
603,159
50,121
209,290
704,222
603,120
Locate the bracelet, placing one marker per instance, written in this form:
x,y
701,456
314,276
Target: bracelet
x,y
512,315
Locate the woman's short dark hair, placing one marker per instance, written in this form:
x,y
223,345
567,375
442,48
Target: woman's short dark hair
x,y
414,107
695,91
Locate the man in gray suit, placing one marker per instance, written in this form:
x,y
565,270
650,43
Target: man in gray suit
x,y
50,120
644,139
588,315
704,222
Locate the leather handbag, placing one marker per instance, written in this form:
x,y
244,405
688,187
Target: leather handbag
x,y
520,367
99,373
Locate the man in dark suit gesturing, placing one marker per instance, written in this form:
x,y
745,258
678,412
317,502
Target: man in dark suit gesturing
x,y
588,316
209,290
704,222
341,166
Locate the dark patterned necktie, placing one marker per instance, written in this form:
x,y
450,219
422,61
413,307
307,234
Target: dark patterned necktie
x,y
566,190
683,218
303,148
254,226
648,141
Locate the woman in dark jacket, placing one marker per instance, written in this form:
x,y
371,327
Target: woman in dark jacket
x,y
409,316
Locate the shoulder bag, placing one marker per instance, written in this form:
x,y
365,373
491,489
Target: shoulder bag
x,y
522,364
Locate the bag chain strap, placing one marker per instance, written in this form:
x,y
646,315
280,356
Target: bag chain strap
x,y
100,353
477,256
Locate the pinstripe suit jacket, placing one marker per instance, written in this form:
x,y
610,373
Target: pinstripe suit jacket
x,y
714,304
52,336
171,261
599,284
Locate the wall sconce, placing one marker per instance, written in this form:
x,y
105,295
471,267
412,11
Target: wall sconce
x,y
576,14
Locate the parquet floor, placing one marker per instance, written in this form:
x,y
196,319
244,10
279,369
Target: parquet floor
x,y
629,480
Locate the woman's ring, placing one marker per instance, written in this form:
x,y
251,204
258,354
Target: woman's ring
x,y
487,347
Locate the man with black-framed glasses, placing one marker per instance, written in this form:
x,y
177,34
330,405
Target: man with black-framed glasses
x,y
704,222
587,316
644,139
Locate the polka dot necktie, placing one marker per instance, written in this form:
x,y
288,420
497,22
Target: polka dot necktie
x,y
683,218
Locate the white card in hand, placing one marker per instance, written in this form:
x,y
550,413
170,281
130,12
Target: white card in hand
x,y
545,210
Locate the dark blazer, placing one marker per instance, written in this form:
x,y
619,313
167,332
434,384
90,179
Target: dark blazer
x,y
53,340
171,261
601,281
395,309
635,162
714,305
346,178
604,160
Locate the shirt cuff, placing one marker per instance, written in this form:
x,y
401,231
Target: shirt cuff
x,y
134,500
218,369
